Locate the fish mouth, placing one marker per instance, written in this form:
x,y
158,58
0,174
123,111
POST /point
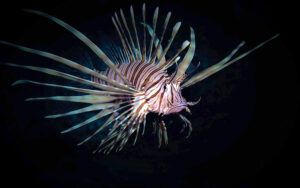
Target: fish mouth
x,y
182,106
176,109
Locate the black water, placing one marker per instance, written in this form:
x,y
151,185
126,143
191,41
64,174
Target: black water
x,y
243,129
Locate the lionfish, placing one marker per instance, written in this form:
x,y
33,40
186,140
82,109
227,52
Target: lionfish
x,y
135,83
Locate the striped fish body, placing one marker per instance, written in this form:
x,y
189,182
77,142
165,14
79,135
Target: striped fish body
x,y
159,94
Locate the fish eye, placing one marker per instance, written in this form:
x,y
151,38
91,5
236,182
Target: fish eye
x,y
165,87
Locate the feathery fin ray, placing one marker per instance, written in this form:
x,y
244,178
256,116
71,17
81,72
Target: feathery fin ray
x,y
155,15
222,64
171,60
129,34
68,77
69,63
93,118
188,56
93,99
156,42
90,108
144,31
161,39
135,31
81,90
85,40
174,32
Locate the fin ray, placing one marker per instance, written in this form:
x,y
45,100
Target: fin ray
x,y
188,57
156,42
81,99
129,34
161,38
90,108
81,90
69,63
224,63
135,31
155,15
173,34
68,77
93,118
85,40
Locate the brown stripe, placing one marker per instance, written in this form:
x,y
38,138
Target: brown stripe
x,y
177,98
126,70
131,69
140,107
154,94
115,75
141,70
139,73
106,73
172,100
134,72
138,100
161,96
152,85
147,79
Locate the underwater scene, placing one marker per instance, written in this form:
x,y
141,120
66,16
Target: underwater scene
x,y
238,135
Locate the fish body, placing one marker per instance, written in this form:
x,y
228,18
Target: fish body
x,y
159,95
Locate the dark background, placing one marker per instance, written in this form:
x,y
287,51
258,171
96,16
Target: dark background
x,y
244,127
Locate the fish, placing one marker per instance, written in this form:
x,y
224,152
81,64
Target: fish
x,y
135,82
